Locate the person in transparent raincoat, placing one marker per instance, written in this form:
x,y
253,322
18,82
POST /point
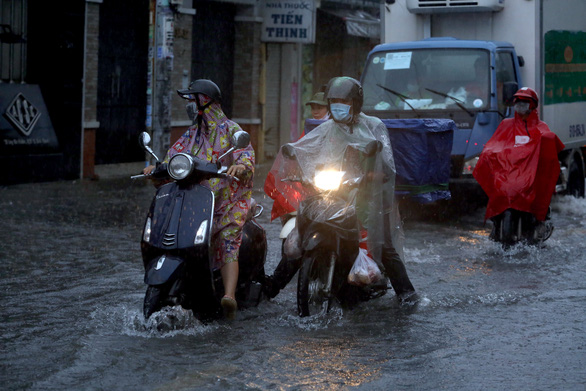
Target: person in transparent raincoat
x,y
335,143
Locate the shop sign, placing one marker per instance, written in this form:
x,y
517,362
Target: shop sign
x,y
288,21
22,114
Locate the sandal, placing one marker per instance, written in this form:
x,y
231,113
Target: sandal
x,y
229,306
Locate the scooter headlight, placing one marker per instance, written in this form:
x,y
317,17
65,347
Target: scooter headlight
x,y
328,179
146,236
180,166
200,236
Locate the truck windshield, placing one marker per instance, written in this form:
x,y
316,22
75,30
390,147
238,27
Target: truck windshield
x,y
427,79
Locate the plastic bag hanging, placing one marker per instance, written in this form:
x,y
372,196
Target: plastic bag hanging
x,y
364,271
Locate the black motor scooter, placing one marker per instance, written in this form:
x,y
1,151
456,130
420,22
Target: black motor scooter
x,y
329,238
176,242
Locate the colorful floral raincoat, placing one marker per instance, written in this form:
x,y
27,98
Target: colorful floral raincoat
x,y
232,198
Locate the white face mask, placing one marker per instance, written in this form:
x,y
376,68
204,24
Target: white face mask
x,y
522,107
340,112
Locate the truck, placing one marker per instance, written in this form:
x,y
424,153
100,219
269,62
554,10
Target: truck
x,y
464,60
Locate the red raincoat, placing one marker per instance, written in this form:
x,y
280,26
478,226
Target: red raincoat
x,y
519,167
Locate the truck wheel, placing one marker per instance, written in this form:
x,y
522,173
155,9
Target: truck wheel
x,y
576,181
313,294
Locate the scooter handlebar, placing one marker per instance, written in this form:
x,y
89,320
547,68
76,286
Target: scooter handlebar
x,y
226,176
159,172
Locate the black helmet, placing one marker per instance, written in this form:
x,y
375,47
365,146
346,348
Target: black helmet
x,y
202,86
347,88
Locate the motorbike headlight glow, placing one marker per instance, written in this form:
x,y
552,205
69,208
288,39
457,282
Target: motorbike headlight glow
x,y
200,236
469,166
146,236
180,166
328,179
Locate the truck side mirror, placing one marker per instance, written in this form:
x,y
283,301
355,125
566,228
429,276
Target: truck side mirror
x,y
509,89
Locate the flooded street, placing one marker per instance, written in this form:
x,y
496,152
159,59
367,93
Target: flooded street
x,y
71,287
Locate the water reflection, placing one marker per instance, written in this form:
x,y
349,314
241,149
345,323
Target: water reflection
x,y
331,363
472,266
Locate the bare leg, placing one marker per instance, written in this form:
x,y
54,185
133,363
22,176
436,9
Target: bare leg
x,y
230,278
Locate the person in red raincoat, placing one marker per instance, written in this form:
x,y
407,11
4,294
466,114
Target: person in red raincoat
x,y
519,167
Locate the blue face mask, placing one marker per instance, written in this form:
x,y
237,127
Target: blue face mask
x,y
340,112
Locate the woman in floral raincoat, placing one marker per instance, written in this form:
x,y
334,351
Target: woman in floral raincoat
x,y
208,138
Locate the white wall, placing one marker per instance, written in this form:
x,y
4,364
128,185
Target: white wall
x,y
517,23
401,25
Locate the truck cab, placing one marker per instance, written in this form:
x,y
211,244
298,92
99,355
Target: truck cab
x,y
469,82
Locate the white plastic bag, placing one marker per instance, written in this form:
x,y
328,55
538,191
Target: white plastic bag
x,y
364,271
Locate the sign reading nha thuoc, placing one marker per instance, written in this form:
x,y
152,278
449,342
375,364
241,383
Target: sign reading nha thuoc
x,y
291,21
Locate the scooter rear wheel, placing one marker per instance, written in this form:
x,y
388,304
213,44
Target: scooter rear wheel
x,y
314,286
508,229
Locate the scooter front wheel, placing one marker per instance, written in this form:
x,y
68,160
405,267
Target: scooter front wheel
x,y
152,301
314,288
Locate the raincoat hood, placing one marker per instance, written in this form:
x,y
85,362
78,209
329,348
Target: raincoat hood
x,y
208,121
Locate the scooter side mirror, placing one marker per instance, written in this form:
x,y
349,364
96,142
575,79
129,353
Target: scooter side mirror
x,y
241,139
144,140
373,147
288,151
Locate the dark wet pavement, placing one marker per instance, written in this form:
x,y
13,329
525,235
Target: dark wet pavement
x,y
72,287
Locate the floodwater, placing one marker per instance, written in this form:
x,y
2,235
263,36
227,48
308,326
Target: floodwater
x,y
71,289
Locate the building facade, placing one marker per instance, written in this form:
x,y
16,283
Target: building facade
x,y
96,73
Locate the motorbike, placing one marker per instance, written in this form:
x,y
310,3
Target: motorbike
x,y
515,226
329,238
176,243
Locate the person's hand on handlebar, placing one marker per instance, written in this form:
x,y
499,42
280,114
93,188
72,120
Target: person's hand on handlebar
x,y
236,170
148,170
